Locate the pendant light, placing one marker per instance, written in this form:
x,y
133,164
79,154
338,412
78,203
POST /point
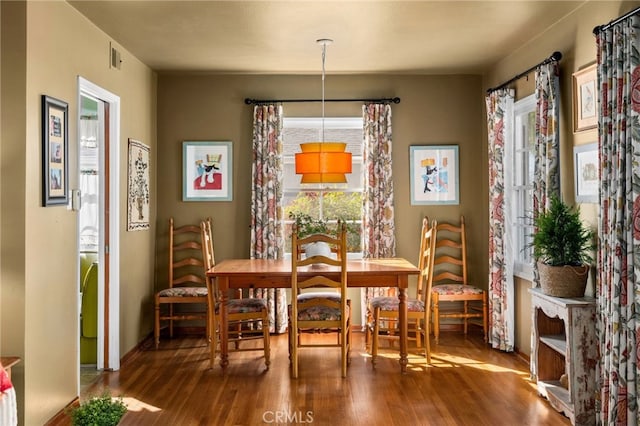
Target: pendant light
x,y
323,162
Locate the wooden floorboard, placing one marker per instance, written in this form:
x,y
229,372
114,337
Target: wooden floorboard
x,y
468,384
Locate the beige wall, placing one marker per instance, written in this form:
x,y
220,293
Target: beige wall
x,y
574,38
54,45
433,110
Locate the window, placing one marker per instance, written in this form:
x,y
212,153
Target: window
x,y
519,189
328,201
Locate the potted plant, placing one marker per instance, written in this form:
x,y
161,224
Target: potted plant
x,y
100,410
562,246
307,225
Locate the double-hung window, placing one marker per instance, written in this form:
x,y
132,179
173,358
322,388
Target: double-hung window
x,y
519,190
329,202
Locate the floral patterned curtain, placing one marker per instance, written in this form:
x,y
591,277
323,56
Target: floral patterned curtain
x,y
378,216
267,239
501,306
546,173
618,258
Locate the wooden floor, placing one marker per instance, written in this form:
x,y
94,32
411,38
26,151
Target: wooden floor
x,y
468,384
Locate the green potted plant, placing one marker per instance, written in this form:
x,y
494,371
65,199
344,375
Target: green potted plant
x,y
562,246
100,410
307,225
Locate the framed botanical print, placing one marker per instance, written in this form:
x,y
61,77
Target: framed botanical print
x,y
585,99
586,172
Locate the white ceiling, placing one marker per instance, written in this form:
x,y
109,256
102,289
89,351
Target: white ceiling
x,y
370,36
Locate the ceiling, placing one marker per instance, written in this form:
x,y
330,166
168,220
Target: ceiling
x,y
279,37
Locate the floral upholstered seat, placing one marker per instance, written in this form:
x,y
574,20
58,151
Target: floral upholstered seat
x,y
456,289
184,292
387,303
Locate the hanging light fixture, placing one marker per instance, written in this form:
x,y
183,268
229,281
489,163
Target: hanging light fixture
x,y
323,162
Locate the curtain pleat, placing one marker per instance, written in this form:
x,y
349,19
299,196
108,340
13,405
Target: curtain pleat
x,y
378,224
499,105
267,239
546,172
618,257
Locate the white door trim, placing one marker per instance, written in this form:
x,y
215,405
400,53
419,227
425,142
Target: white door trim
x,y
87,87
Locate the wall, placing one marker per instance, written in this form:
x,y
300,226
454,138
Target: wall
x,y
573,37
53,45
433,110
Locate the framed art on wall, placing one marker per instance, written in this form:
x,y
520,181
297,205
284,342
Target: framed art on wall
x,y
207,171
138,186
585,159
585,99
434,175
55,151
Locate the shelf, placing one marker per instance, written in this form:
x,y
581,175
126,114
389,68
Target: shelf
x,y
558,396
556,342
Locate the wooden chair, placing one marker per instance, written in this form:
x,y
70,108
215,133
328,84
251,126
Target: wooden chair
x,y
247,318
450,284
319,310
187,285
386,308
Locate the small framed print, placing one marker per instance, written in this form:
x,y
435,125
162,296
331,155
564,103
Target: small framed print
x,y
434,176
55,151
207,171
586,172
585,99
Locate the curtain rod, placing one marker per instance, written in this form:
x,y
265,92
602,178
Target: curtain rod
x,y
250,101
555,56
597,30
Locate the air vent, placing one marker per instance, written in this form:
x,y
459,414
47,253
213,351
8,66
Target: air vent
x,y
115,60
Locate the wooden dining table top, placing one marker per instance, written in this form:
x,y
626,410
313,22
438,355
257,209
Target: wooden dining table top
x,y
277,272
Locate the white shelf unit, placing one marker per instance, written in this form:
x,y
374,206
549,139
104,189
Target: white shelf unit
x,y
564,342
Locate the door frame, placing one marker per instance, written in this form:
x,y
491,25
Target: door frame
x,y
111,300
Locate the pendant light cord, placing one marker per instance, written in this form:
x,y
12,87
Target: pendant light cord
x,y
324,52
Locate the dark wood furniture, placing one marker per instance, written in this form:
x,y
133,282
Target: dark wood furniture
x,y
263,273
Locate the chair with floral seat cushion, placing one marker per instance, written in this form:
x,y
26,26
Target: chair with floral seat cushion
x,y
452,295
186,281
385,309
247,317
324,304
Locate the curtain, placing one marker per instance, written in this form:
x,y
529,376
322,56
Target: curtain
x,y
546,173
499,105
267,239
378,226
618,257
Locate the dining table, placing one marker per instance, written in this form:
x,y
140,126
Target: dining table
x,y
233,274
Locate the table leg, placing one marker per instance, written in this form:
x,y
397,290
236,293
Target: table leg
x,y
402,311
224,324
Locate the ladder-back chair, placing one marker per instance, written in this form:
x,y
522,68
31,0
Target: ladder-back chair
x,y
452,295
187,284
385,321
247,318
317,309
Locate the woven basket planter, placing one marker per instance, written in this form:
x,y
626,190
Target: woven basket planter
x,y
563,281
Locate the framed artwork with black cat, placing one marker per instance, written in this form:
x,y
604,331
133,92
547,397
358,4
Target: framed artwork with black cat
x,y
207,171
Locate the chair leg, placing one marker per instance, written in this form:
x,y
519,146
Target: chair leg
x,y
485,318
265,333
427,345
436,318
465,320
156,328
375,340
171,320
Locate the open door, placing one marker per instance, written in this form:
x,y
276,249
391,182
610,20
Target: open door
x,y
98,242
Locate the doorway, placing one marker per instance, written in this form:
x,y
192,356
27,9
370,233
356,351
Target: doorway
x,y
98,241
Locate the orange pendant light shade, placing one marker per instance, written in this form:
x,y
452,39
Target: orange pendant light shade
x,y
323,162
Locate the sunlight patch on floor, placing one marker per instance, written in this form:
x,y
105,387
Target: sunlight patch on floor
x,y
134,404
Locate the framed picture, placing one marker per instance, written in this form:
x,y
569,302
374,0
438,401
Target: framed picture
x,y
55,151
585,159
207,171
585,99
434,176
138,186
